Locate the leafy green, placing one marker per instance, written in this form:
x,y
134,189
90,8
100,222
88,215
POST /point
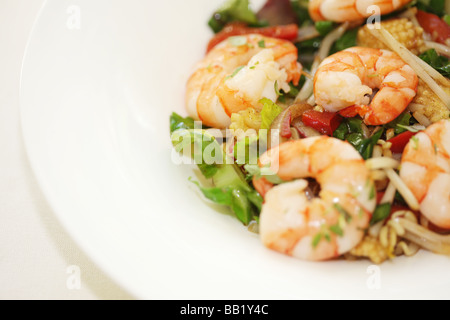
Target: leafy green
x,y
201,147
324,27
401,123
232,10
366,148
235,72
308,48
269,113
337,230
233,191
351,131
300,8
178,122
316,240
207,170
381,213
246,150
231,188
436,7
447,19
235,198
237,41
440,63
348,40
265,172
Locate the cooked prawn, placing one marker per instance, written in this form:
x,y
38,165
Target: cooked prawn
x,y
293,221
237,74
351,10
425,168
346,81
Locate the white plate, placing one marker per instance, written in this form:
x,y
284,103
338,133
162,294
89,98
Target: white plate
x,y
95,106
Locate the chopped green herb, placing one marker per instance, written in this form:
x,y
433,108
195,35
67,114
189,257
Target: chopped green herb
x,y
351,131
372,193
316,240
416,143
381,213
436,149
373,75
277,89
262,44
237,41
343,212
337,230
235,72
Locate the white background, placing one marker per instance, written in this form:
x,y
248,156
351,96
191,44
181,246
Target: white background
x,y
35,251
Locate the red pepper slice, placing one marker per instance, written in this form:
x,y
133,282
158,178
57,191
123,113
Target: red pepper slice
x,y
287,32
285,131
435,26
324,122
399,142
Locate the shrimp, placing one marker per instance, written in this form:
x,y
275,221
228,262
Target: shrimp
x,y
346,81
351,10
425,168
237,74
295,223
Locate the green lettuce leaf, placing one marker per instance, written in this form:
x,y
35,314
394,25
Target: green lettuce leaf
x,y
232,10
269,113
440,63
233,191
178,122
202,147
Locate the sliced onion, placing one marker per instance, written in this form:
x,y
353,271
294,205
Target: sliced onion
x,y
306,33
305,131
292,113
382,163
439,47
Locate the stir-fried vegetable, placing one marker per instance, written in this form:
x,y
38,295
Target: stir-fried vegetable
x,y
232,10
419,33
436,7
351,131
231,188
269,113
440,63
324,122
